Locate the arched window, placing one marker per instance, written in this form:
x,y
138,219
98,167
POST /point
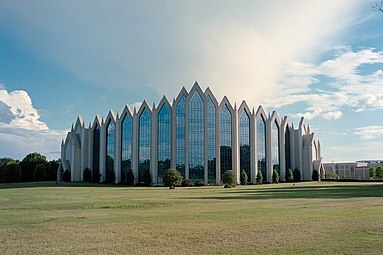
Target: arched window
x,y
164,142
261,147
110,138
126,148
196,137
211,138
181,135
287,149
225,142
244,142
144,145
96,154
275,146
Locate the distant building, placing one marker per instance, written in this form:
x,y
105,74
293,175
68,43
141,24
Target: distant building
x,y
195,134
358,170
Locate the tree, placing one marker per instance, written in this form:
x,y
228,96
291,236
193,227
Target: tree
x,y
378,7
147,178
40,173
259,178
315,175
289,175
130,177
297,175
67,176
243,177
379,172
172,178
28,165
53,166
229,179
87,176
10,172
275,176
372,172
331,175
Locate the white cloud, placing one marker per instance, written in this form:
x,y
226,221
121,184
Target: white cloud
x,y
22,131
369,132
136,105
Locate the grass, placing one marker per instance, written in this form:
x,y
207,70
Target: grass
x,y
305,218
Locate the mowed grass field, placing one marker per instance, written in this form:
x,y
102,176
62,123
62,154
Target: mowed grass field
x,y
305,218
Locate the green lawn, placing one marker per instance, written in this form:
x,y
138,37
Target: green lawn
x,y
305,218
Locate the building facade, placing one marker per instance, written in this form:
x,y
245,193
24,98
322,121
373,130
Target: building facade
x,y
358,170
199,136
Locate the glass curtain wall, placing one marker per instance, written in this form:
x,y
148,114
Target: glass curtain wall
x,y
196,137
181,135
244,142
164,142
110,138
287,149
126,148
96,154
225,142
261,147
275,147
144,146
211,138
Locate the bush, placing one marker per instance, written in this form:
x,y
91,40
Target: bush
x,y
372,172
332,175
259,179
186,183
315,175
87,175
130,177
110,176
229,179
96,176
289,175
243,177
296,175
379,172
172,178
147,178
67,176
275,176
40,173
199,183
11,172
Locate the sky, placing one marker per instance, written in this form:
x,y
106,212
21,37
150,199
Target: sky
x,y
322,60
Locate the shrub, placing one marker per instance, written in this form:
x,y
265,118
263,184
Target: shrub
x,y
130,177
379,172
332,175
147,178
199,183
87,175
40,173
186,183
372,172
67,176
289,175
229,179
275,176
110,176
259,179
315,175
296,175
172,178
243,177
96,176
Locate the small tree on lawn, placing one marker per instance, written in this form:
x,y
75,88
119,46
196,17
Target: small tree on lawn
x,y
275,176
87,175
243,177
296,175
379,172
67,176
172,178
289,175
229,179
130,177
315,175
259,179
147,178
372,172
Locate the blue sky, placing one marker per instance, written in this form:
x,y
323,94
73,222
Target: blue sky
x,y
319,59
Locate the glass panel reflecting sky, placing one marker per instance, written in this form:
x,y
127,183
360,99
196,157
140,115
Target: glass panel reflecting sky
x,y
261,147
181,135
164,142
244,142
126,147
144,144
110,138
225,142
275,146
211,139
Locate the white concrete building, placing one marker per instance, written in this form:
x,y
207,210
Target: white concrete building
x,y
195,134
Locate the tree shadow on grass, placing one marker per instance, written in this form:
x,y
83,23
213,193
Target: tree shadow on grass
x,y
300,192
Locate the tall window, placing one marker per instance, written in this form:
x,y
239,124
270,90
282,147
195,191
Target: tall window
x,y
181,135
275,146
144,145
225,143
211,138
96,154
244,142
110,137
196,137
261,147
126,148
287,148
164,142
